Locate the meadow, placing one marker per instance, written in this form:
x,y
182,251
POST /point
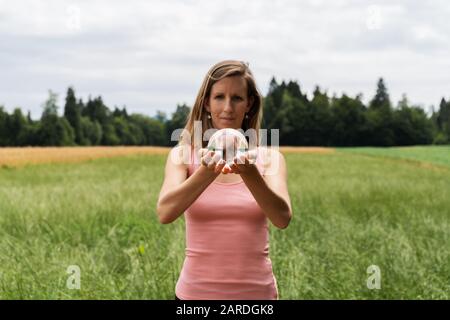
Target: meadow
x,y
352,208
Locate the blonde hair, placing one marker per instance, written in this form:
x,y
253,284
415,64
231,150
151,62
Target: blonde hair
x,y
217,72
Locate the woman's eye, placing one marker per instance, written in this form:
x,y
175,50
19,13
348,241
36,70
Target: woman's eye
x,y
219,97
238,98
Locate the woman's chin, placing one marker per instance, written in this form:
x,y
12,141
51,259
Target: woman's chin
x,y
227,125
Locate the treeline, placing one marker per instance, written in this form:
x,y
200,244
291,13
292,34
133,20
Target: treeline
x,y
85,124
346,121
319,121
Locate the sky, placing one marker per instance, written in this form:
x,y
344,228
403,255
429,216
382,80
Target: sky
x,y
152,55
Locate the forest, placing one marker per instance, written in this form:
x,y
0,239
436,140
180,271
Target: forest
x,y
320,120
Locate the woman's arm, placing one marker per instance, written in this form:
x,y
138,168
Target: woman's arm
x,y
271,192
178,192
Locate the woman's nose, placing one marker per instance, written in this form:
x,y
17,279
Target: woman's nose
x,y
228,105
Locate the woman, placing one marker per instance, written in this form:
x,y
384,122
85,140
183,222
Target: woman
x,y
226,207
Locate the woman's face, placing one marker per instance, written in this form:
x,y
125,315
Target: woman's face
x,y
228,102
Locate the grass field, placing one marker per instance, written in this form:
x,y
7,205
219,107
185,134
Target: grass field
x,y
352,208
422,155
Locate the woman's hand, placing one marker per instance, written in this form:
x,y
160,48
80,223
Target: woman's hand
x,y
211,160
242,163
228,148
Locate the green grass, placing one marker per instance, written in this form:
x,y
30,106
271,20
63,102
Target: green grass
x,y
350,211
439,155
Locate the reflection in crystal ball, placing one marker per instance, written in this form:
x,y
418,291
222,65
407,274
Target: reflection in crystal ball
x,y
229,143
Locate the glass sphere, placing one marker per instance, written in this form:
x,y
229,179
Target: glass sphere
x,y
229,143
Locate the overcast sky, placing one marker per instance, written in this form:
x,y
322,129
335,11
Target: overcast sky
x,y
151,55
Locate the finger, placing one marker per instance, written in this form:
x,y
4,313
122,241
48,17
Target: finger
x,y
235,169
237,158
211,163
219,166
226,169
207,159
216,158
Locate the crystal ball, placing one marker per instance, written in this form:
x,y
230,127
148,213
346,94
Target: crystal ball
x,y
229,143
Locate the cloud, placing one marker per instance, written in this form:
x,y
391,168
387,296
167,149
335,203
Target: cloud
x,y
151,55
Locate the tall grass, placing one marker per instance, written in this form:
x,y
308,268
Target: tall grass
x,y
350,211
438,155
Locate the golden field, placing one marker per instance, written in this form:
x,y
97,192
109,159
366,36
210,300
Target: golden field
x,y
16,157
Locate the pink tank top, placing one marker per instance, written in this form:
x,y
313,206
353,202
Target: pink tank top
x,y
227,245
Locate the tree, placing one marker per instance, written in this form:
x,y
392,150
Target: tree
x,y
50,106
289,119
53,130
381,99
443,122
341,121
161,117
17,128
72,113
411,125
97,111
349,121
29,117
120,113
321,118
178,120
109,136
294,89
379,118
125,133
272,103
91,132
4,119
153,130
